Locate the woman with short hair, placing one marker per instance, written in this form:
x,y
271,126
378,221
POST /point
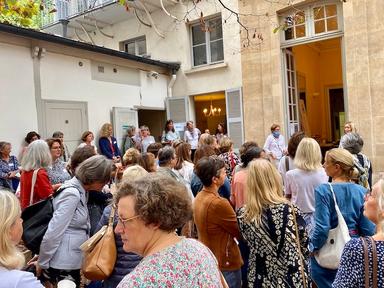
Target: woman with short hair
x,y
131,157
340,167
301,182
149,211
60,254
148,161
230,158
274,230
57,172
37,157
353,271
11,259
274,145
216,221
128,139
87,139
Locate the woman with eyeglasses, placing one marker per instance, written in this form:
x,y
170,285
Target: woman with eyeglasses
x,y
149,211
340,167
60,255
351,272
57,172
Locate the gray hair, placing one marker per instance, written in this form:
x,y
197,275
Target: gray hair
x,y
166,155
37,156
352,142
3,144
57,134
96,169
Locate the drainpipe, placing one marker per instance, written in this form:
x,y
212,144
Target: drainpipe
x,y
171,83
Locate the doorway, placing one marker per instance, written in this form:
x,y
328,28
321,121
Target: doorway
x,y
154,119
314,94
69,117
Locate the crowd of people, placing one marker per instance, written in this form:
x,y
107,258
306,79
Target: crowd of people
x,y
193,212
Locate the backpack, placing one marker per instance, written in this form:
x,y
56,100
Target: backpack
x,y
36,218
362,164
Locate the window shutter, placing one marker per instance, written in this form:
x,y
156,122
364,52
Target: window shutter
x,y
121,119
177,110
234,103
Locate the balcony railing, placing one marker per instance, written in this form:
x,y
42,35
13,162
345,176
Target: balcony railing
x,y
69,8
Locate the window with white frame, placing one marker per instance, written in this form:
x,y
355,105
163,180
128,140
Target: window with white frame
x,y
207,42
311,21
137,46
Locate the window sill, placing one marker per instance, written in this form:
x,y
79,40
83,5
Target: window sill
x,y
208,67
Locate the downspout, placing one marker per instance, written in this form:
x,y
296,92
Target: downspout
x,y
171,83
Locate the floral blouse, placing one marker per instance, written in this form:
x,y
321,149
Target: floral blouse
x,y
230,160
188,263
274,259
58,173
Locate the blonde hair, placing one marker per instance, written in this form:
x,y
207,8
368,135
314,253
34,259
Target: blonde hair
x,y
131,156
225,144
133,173
264,187
380,204
344,159
308,155
10,256
104,130
352,125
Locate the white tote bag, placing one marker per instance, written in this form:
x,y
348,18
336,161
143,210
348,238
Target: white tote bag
x,y
330,254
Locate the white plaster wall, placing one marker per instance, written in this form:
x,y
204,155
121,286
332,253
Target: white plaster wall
x,y
176,46
18,109
63,79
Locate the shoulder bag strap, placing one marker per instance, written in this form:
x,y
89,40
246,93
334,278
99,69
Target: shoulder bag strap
x,y
34,177
111,216
297,238
366,263
374,260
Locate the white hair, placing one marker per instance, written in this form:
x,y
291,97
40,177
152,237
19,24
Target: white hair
x,y
37,156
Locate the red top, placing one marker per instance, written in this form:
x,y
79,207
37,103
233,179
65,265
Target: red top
x,y
43,187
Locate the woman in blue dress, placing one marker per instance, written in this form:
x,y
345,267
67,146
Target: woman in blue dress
x,y
351,272
339,166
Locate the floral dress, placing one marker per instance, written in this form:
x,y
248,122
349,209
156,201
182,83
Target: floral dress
x,y
58,173
274,259
230,160
187,263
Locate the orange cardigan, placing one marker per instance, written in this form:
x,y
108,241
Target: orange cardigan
x,y
217,227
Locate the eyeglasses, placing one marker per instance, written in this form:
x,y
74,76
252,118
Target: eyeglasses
x,y
124,221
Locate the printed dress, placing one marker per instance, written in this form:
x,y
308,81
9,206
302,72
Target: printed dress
x,y
274,259
188,263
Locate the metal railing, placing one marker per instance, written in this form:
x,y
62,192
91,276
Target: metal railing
x,y
69,8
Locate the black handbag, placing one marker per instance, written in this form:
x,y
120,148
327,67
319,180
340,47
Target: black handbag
x,y
36,218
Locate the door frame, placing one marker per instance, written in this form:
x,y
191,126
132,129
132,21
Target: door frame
x,y
328,107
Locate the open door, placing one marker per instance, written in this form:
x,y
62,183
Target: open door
x,y
234,106
121,119
177,110
292,103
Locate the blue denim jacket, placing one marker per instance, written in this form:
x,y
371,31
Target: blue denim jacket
x,y
350,199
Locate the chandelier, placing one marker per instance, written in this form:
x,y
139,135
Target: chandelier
x,y
213,111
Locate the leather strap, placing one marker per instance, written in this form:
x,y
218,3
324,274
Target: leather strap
x,y
366,263
34,177
374,268
299,246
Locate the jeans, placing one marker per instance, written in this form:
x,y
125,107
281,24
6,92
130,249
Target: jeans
x,y
233,278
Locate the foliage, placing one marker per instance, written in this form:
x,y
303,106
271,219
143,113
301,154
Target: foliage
x,y
25,13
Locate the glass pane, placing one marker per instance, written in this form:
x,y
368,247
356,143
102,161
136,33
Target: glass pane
x,y
287,59
288,33
217,53
299,18
300,31
215,28
142,47
198,35
332,24
293,79
318,12
289,79
290,112
319,26
199,55
330,10
289,96
130,48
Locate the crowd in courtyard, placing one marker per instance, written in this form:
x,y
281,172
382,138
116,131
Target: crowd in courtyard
x,y
192,212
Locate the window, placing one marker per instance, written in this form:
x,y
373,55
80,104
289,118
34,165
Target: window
x,y
207,42
311,21
137,46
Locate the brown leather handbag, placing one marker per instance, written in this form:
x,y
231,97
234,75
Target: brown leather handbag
x,y
98,264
